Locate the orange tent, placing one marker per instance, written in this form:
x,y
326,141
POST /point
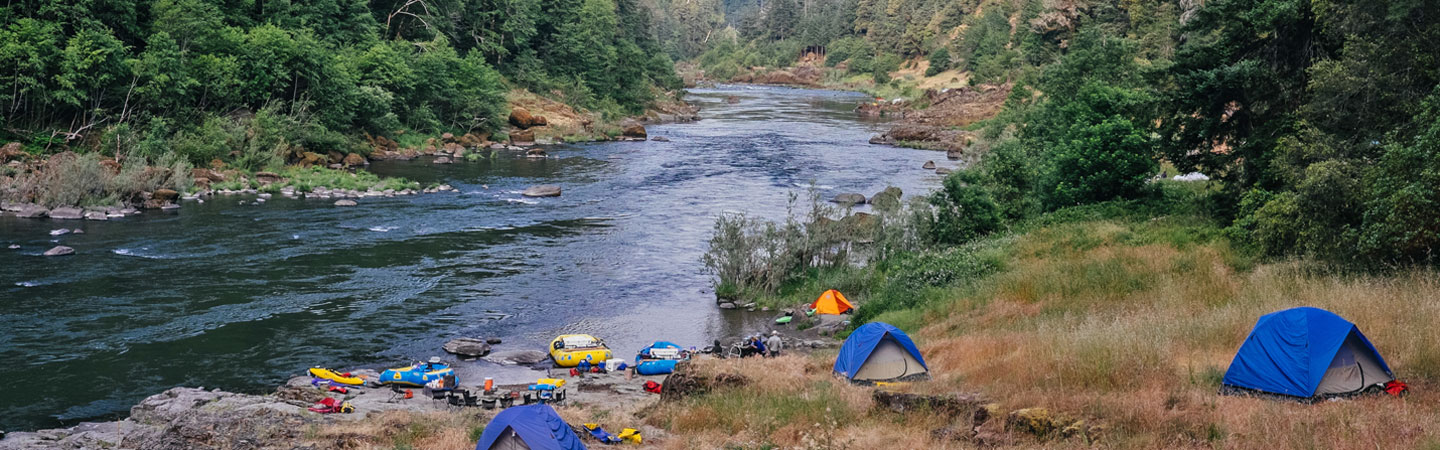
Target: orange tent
x,y
832,302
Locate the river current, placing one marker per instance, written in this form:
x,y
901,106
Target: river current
x,y
242,296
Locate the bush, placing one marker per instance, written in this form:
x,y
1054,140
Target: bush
x,y
939,62
963,210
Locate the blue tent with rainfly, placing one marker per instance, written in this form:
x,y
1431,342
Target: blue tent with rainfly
x,y
1306,353
878,351
534,427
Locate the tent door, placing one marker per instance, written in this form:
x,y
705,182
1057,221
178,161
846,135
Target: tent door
x,y
508,440
1354,368
888,361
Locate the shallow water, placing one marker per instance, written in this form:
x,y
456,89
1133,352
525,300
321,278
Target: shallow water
x,y
240,297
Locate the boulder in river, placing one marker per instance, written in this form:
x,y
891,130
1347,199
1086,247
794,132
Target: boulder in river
x,y
493,341
60,231
521,357
468,347
887,199
536,152
929,165
442,160
67,213
96,215
660,139
632,129
544,190
60,250
849,199
954,154
355,160
345,202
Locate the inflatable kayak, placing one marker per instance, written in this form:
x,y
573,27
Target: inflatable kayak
x,y
570,349
655,367
327,374
416,375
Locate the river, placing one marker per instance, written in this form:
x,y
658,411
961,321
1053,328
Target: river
x,y
240,297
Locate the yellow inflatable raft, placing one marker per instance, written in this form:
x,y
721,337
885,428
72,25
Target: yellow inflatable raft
x,y
570,349
327,374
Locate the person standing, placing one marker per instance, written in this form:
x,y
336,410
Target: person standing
x,y
774,343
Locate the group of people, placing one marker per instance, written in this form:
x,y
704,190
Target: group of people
x,y
758,345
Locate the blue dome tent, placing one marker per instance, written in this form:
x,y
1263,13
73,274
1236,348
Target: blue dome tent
x,y
535,427
880,352
1306,353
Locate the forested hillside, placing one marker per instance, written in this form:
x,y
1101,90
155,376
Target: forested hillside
x,y
1318,120
250,82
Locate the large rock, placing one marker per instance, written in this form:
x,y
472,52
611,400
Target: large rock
x,y
521,357
522,137
168,195
470,347
355,160
11,150
32,211
929,165
849,199
96,215
67,213
544,190
268,177
521,117
60,250
345,202
443,160
632,129
888,199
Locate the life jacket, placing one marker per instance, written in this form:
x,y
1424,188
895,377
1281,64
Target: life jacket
x,y
652,386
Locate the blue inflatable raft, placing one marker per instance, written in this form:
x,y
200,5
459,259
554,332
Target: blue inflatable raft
x,y
656,367
416,375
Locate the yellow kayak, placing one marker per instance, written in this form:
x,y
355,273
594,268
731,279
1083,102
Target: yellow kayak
x,y
570,349
327,374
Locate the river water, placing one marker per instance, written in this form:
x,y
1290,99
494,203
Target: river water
x,y
240,297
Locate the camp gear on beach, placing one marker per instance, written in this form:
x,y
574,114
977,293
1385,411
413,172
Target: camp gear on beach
x,y
574,372
1305,353
601,435
655,367
571,349
535,427
878,351
784,319
652,387
630,434
1396,388
330,406
327,374
489,384
416,375
661,350
338,389
832,302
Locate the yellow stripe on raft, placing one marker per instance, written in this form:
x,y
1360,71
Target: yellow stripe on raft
x,y
327,374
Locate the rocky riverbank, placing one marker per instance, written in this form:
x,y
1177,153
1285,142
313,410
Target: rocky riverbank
x,y
196,417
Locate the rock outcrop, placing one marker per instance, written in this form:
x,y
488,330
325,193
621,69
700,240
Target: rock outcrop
x,y
849,199
467,347
67,213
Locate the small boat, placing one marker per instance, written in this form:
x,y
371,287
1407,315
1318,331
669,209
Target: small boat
x,y
416,375
570,349
662,350
656,367
335,377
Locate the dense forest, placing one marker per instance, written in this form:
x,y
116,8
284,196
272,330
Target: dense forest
x,y
250,81
1319,121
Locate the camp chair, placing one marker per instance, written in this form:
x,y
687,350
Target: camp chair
x,y
396,394
437,394
470,400
601,435
455,400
